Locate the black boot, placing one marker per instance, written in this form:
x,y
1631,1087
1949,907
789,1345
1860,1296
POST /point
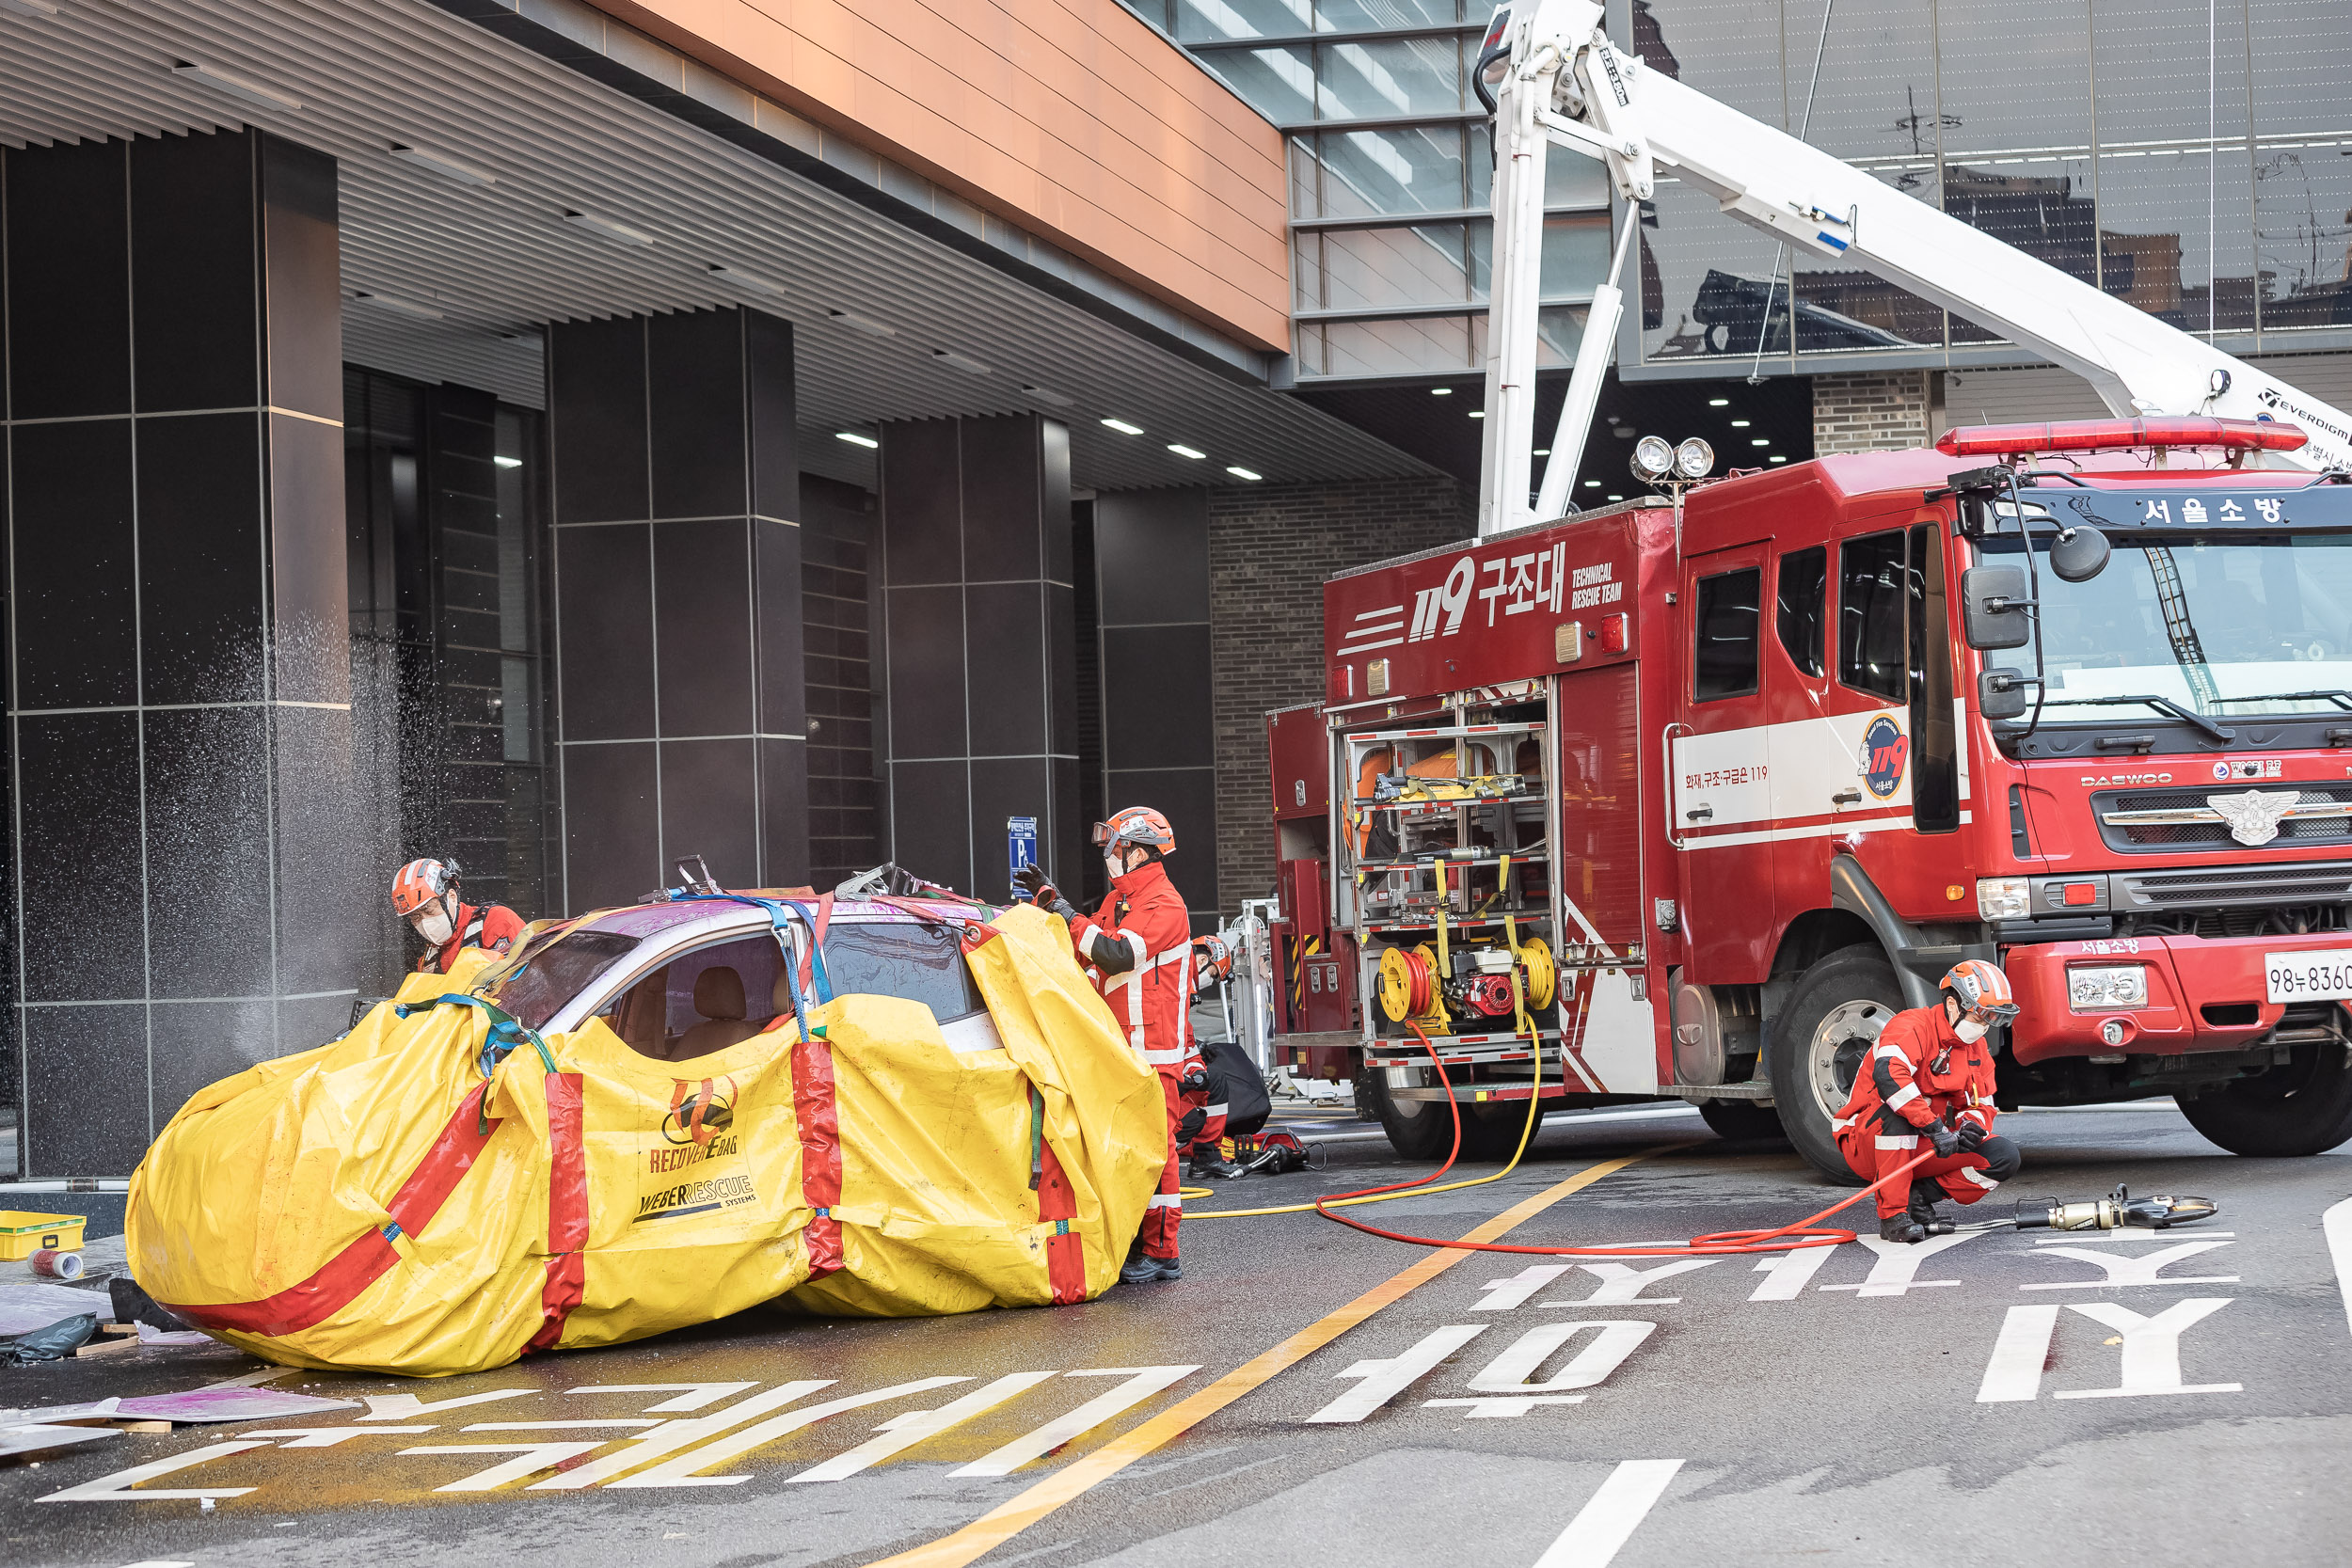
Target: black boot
x,y
1201,1168
1142,1269
1924,1194
1898,1228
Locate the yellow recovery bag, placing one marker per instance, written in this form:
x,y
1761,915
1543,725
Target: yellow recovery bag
x,y
384,1203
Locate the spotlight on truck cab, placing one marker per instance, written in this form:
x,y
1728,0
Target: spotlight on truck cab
x,y
1653,459
1694,459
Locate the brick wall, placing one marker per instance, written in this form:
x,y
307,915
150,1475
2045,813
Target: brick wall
x,y
1870,411
1270,548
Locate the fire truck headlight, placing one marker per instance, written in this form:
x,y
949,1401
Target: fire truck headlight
x,y
2003,898
2092,990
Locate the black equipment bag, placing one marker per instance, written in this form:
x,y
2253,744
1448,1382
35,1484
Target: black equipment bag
x,y
1235,1084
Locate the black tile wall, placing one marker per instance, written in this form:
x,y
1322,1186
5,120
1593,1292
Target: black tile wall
x,y
694,397
921,503
69,275
710,807
774,417
191,236
310,586
302,278
780,590
1157,697
1002,788
597,394
72,583
611,826
198,1043
927,672
1004,536
783,804
604,622
703,626
200,564
326,892
97,1058
208,809
837,524
78,837
930,820
1187,798
1054,489
1151,549
1005,644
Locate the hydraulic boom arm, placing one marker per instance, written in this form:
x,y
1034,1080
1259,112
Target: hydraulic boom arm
x,y
1557,78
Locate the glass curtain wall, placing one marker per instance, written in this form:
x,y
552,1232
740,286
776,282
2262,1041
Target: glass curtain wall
x,y
2191,156
1391,178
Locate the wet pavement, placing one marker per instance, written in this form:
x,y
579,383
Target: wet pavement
x,y
1310,1394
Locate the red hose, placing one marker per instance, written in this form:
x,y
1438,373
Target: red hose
x,y
1801,1233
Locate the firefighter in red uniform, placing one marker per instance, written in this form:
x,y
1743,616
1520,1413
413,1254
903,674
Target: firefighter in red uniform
x,y
1138,946
424,894
1929,1079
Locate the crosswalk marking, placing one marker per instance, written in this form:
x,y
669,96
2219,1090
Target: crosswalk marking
x,y
1606,1522
683,1469
2014,1374
1142,1383
901,1433
529,1458
690,1396
674,1435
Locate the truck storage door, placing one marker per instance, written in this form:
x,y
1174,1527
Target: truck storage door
x,y
1720,792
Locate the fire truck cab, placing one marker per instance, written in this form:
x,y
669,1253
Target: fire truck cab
x,y
1686,797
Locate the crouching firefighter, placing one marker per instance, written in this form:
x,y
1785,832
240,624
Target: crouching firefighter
x,y
1139,950
424,894
1929,1081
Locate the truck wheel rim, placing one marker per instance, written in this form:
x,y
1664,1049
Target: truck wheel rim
x,y
1840,1041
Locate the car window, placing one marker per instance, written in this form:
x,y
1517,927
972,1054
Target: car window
x,y
552,973
1870,590
1803,597
672,1015
1723,661
921,964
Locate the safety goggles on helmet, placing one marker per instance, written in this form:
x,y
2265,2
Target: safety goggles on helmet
x,y
1137,825
1982,991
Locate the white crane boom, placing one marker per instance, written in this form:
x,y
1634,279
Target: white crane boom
x,y
1557,78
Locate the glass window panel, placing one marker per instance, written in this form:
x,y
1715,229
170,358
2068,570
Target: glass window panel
x,y
1377,268
1371,172
1307,270
2153,72
1576,256
920,963
1408,77
1723,660
1804,599
2302,59
1396,347
1842,310
2303,240
2166,235
1570,179
1309,338
2042,204
2015,77
1279,84
1203,21
1364,16
1877,75
1703,281
1305,200
1559,330
1731,50
1870,651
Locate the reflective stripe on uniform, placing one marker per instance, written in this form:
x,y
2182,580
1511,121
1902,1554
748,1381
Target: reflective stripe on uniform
x,y
1902,1097
1983,1119
1978,1177
1165,1201
1217,1110
1892,1052
1161,1058
1886,1142
1839,1124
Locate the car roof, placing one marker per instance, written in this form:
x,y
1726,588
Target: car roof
x,y
696,917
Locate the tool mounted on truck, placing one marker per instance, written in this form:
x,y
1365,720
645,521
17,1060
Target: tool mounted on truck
x,y
1776,767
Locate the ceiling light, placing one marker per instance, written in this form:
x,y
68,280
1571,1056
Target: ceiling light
x,y
508,462
866,324
1478,413
1718,403
1776,458
1592,485
964,362
610,230
1243,473
465,174
856,440
236,87
1616,497
1738,424
405,306
1441,391
1054,399
1183,451
1124,427
29,8
1543,452
1761,441
753,281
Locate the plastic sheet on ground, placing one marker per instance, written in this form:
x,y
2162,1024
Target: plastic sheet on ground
x,y
377,1203
26,1305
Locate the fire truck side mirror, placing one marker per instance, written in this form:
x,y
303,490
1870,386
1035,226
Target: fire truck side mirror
x,y
2001,693
1996,603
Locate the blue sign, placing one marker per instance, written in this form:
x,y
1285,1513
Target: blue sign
x,y
1020,843
1885,752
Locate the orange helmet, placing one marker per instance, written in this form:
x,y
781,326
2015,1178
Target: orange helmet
x,y
422,882
1137,825
1981,990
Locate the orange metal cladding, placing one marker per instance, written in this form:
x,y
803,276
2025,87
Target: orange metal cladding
x,y
1069,117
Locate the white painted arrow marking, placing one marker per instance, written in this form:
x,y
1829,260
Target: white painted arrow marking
x,y
1622,1283
1791,1273
2152,1348
681,1470
1898,1266
2014,1372
529,1459
1142,1383
901,1433
1503,1294
2122,1269
1384,1380
403,1407
690,1396
329,1437
116,1487
673,1435
1604,1525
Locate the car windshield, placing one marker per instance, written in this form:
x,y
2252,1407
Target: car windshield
x,y
552,975
2230,626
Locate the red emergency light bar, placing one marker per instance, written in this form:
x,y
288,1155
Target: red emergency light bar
x,y
1981,440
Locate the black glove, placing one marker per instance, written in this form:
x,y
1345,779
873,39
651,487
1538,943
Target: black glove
x,y
1946,1142
1195,1081
1189,1129
1970,1138
1032,881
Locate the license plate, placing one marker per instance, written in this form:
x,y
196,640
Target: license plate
x,y
2319,977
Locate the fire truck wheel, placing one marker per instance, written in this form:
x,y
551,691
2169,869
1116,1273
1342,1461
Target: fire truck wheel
x,y
1740,1120
1423,1129
2304,1107
1820,1043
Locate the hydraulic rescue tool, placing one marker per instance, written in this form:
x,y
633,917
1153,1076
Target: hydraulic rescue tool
x,y
2118,1210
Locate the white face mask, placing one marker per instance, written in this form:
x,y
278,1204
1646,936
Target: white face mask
x,y
1110,864
431,923
1969,1030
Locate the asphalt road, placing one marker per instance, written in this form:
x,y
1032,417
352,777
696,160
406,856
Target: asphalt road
x,y
2001,1398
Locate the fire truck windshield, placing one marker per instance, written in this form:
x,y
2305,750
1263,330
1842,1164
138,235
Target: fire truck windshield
x,y
2231,625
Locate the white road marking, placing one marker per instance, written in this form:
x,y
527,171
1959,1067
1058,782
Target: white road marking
x,y
1493,1406
2152,1348
1791,1273
329,1437
1603,1525
901,1433
1142,1383
559,1426
2075,1238
1622,1283
529,1459
402,1407
690,1396
2337,1222
681,1471
1899,1263
2124,1270
1508,1373
158,1563
1383,1380
116,1487
674,1435
2014,1374
1503,1294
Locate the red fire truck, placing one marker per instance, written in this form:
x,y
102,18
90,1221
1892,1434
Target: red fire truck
x,y
1690,794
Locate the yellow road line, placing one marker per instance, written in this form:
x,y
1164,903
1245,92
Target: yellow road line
x,y
1009,1520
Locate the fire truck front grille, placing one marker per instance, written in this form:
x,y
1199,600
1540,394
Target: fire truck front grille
x,y
2124,819
2229,886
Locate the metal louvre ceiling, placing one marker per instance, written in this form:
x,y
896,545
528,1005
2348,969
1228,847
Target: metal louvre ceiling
x,y
497,260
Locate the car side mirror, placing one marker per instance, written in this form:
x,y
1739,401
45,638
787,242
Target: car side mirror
x,y
2078,554
2001,693
1996,604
